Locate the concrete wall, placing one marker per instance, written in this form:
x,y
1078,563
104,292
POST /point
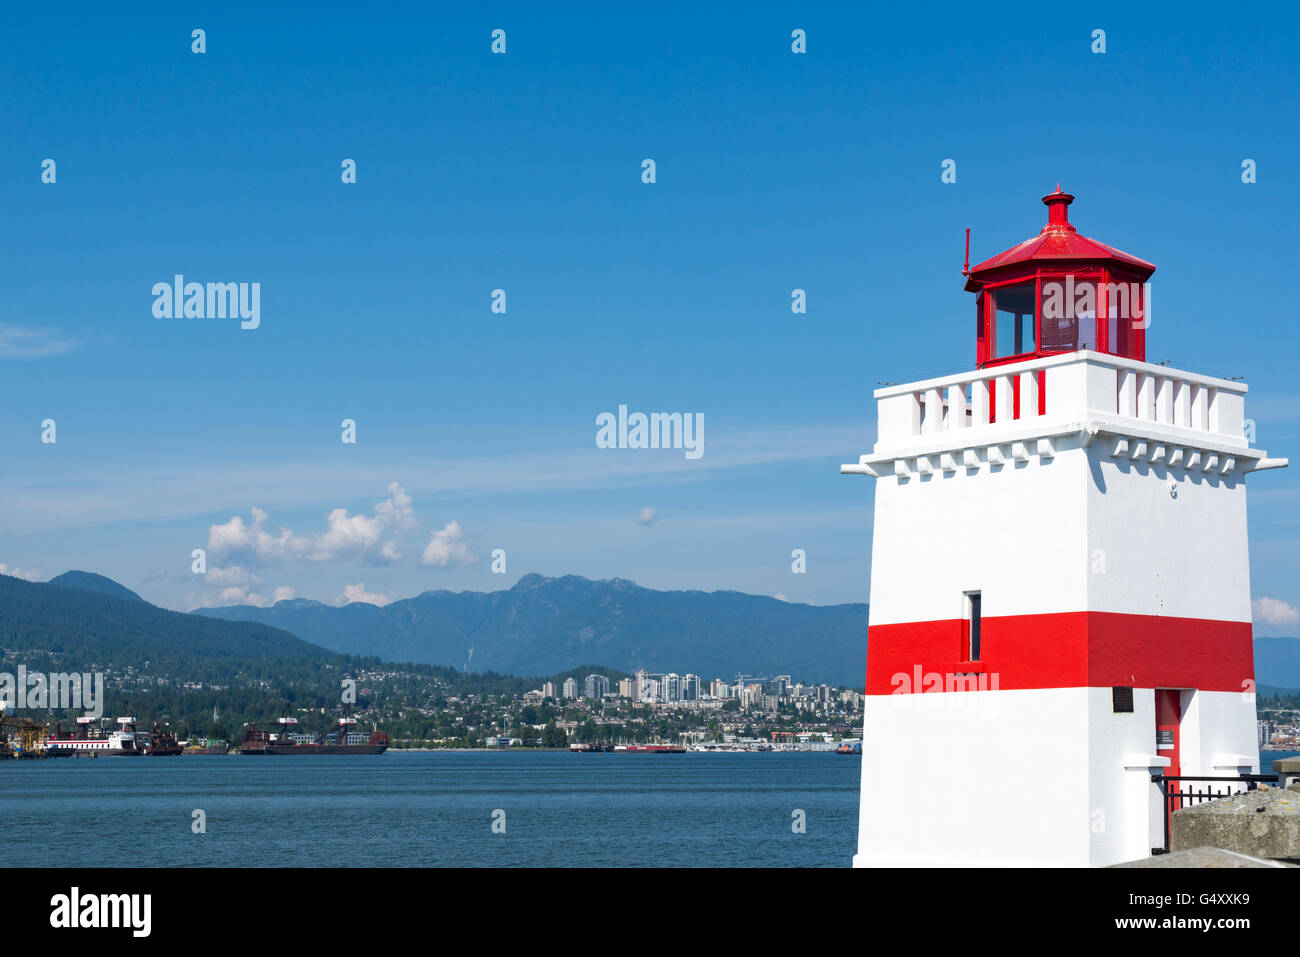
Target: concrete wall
x,y
975,778
1018,532
1172,542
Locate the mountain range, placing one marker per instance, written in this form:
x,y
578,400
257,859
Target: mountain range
x,y
1277,663
541,626
546,625
89,581
181,668
85,623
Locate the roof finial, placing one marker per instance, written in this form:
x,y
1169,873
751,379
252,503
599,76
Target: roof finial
x,y
1057,217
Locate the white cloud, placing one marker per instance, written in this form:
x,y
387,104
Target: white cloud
x,y
230,576
1273,611
37,501
358,592
240,595
27,574
396,510
238,546
24,342
361,535
239,539
647,516
449,547
347,536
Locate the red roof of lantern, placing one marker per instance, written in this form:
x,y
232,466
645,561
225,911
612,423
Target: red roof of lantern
x,y
1057,241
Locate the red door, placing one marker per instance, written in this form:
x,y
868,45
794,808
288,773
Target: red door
x,y
1168,713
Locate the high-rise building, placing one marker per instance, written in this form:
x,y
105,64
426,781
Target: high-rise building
x,y
690,687
627,688
671,688
549,690
596,686
778,686
644,692
570,688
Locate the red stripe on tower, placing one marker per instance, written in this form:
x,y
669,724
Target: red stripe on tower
x,y
1084,649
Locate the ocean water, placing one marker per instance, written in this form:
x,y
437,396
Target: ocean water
x,y
1266,759
430,809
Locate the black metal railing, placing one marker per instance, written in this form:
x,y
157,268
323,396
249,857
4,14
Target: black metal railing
x,y
1200,788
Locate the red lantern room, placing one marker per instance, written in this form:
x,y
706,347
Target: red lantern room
x,y
1059,292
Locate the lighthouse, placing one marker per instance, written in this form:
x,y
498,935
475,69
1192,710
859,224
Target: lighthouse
x,y
1060,584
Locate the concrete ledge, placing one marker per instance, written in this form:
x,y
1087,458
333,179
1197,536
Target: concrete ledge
x,y
1144,762
862,860
1262,823
1287,770
1232,762
1203,857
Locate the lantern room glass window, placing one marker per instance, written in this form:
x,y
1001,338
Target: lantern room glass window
x,y
1068,306
1126,309
1013,320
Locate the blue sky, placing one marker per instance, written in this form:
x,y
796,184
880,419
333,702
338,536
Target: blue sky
x,y
522,172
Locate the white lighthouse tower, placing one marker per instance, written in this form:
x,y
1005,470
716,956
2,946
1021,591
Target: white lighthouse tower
x,y
1060,587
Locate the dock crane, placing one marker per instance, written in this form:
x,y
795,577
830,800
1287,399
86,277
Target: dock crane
x,y
21,738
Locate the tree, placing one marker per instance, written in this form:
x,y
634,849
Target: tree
x,y
554,737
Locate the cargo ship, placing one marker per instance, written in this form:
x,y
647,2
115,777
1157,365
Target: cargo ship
x,y
650,748
162,743
341,741
849,747
92,740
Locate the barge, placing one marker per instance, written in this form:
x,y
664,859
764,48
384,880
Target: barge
x,y
340,741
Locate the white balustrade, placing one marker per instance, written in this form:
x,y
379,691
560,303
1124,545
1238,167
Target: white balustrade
x,y
1071,385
